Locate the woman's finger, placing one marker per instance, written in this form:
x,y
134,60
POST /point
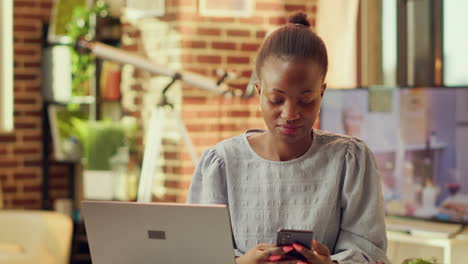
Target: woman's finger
x,y
320,248
283,262
275,253
307,253
263,246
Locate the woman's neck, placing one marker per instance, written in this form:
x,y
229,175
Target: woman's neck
x,y
281,151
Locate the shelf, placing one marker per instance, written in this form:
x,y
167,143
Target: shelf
x,y
412,147
82,100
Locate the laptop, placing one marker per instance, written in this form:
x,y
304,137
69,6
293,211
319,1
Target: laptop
x,y
136,233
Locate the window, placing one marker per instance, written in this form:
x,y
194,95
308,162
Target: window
x,y
6,65
455,43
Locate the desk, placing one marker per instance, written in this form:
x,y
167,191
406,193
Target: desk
x,y
447,242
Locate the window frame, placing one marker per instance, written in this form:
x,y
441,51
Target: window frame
x,y
6,66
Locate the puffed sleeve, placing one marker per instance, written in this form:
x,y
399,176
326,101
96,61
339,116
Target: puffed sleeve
x,y
362,236
208,184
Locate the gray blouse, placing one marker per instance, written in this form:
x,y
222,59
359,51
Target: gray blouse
x,y
333,189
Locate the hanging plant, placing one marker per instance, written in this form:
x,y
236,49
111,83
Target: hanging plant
x,y
82,24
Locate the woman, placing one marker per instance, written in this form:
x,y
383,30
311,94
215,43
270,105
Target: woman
x,y
291,175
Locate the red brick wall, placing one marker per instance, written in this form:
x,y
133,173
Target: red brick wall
x,y
20,151
205,44
200,44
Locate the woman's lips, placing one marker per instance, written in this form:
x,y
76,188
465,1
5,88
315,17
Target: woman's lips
x,y
289,129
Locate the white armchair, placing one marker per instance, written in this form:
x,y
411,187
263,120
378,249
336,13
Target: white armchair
x,y
32,236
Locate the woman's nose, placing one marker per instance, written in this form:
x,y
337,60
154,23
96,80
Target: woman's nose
x,y
290,112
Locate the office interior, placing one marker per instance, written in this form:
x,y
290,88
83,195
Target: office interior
x,y
100,97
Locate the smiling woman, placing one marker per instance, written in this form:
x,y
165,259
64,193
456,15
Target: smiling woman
x,y
6,65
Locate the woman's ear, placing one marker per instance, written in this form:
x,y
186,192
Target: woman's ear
x,y
257,86
324,87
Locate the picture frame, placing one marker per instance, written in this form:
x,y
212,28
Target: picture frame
x,y
226,8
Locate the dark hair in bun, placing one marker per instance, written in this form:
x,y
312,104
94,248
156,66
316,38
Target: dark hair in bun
x,y
299,18
294,41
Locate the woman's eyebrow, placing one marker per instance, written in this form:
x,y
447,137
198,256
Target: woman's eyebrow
x,y
303,92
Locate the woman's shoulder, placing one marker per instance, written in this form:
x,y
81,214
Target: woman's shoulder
x,y
333,141
227,148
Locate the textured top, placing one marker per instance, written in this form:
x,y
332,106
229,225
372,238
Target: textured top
x,y
333,189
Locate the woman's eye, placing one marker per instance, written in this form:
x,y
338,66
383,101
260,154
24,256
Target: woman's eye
x,y
276,101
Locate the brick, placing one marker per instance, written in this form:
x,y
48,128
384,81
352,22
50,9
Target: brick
x,y
250,47
252,20
221,19
32,113
186,58
9,189
264,6
171,155
238,114
209,59
246,74
32,64
32,188
19,3
19,51
21,151
200,114
32,163
3,151
25,125
294,8
25,77
23,176
314,9
26,28
224,45
279,21
193,44
238,33
29,203
8,163
19,101
209,31
238,60
261,34
33,89
7,138
46,5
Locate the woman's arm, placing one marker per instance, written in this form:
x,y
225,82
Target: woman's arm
x,y
362,236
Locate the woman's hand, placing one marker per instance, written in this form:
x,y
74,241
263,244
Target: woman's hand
x,y
266,254
319,254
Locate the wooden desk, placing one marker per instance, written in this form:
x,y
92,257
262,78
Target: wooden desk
x,y
447,242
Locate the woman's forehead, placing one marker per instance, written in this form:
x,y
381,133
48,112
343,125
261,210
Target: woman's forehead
x,y
291,72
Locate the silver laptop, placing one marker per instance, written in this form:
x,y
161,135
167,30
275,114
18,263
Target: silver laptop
x,y
135,233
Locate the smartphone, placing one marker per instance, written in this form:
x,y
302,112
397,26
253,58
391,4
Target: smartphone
x,y
286,237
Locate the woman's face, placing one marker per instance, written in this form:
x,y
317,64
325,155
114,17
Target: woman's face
x,y
290,95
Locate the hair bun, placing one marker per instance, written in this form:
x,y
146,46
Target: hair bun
x,y
299,18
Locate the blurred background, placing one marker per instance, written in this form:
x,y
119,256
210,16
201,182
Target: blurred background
x,y
78,90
